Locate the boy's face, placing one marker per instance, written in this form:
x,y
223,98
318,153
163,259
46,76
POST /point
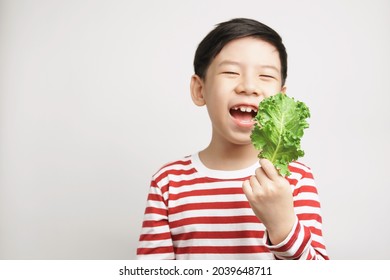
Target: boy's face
x,y
245,71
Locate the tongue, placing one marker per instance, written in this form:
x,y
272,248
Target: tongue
x,y
241,116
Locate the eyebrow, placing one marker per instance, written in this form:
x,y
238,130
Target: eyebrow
x,y
235,63
228,62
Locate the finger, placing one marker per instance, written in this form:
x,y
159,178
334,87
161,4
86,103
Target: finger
x,y
247,188
269,169
257,187
262,177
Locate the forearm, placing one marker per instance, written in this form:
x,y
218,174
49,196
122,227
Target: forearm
x,y
302,243
155,240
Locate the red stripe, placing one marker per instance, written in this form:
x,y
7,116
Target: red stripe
x,y
153,210
153,184
315,231
155,197
221,191
316,244
290,242
305,189
221,250
306,202
309,256
317,254
150,223
304,173
214,220
202,180
303,245
177,162
156,236
164,189
158,250
175,172
310,216
191,182
218,235
209,205
293,182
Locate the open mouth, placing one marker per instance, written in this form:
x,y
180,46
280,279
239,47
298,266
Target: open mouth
x,y
243,113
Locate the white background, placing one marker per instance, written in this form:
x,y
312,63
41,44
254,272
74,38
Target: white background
x,y
94,98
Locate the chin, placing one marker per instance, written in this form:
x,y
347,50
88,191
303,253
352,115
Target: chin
x,y
244,141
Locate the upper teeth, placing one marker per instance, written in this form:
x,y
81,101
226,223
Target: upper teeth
x,y
245,109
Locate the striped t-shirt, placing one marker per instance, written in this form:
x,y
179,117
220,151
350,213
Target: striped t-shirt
x,y
193,212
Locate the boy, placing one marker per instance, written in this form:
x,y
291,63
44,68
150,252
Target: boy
x,y
223,203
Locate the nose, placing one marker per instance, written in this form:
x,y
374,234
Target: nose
x,y
248,85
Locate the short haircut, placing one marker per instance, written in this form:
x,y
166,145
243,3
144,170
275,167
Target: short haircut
x,y
227,31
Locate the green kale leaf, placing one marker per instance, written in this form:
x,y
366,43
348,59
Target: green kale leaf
x,y
278,130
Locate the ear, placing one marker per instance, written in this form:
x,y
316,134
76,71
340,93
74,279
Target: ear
x,y
197,90
284,89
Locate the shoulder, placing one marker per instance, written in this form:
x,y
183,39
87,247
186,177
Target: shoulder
x,y
300,170
179,163
178,167
301,178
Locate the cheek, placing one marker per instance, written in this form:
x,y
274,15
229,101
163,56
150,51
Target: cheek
x,y
272,88
216,102
215,94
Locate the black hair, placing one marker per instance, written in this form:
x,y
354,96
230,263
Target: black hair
x,y
227,31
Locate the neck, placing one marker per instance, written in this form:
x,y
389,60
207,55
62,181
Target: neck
x,y
228,156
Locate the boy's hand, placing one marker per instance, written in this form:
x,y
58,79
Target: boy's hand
x,y
270,197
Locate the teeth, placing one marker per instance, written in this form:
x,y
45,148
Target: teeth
x,y
245,109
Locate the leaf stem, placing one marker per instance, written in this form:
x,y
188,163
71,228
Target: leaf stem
x,y
279,140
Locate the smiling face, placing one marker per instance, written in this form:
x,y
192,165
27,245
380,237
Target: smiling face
x,y
245,71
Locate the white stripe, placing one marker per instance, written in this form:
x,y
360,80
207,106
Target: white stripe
x,y
226,242
177,166
155,243
206,186
154,217
306,196
262,256
156,204
305,182
166,256
321,251
218,227
295,176
311,223
183,177
164,181
208,198
317,238
307,210
301,166
296,245
177,178
155,230
215,185
211,213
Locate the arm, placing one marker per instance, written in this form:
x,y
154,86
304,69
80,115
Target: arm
x,y
292,218
155,241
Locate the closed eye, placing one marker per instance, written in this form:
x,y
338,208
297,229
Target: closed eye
x,y
267,77
230,73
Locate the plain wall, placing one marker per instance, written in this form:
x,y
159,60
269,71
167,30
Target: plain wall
x,y
94,98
